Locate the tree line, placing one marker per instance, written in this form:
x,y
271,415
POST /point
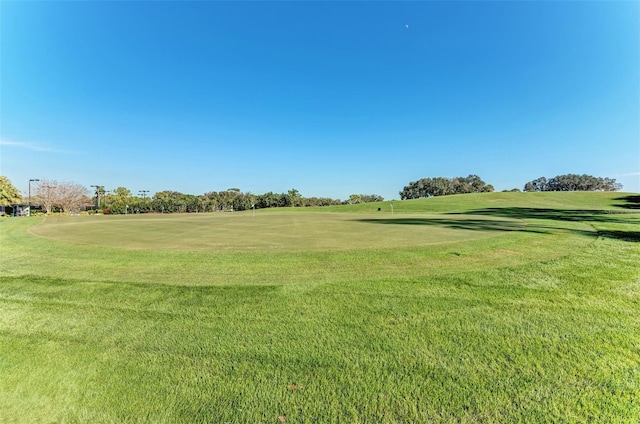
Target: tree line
x,y
232,199
442,186
69,197
573,182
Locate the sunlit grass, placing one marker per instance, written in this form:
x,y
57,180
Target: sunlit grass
x,y
534,323
271,231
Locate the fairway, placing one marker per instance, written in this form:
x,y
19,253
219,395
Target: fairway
x,y
501,307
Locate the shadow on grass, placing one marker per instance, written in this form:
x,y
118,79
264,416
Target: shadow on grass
x,y
630,202
572,215
621,235
458,224
601,216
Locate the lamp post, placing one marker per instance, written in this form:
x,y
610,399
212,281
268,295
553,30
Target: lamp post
x,y
144,198
30,181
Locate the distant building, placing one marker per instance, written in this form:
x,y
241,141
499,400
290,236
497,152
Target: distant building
x,y
15,209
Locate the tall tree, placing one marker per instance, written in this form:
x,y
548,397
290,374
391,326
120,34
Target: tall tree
x,y
166,201
270,200
354,199
209,201
119,201
63,195
368,198
189,203
46,194
294,198
72,197
8,193
100,194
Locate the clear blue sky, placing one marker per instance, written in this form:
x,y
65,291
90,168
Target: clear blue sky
x,y
330,98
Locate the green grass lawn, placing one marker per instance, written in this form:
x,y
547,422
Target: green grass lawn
x,y
509,307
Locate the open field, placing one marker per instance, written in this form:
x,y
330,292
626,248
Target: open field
x,y
474,308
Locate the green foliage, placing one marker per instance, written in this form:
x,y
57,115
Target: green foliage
x,y
173,201
121,201
277,200
441,186
369,198
8,193
270,200
321,201
228,200
293,198
573,182
354,199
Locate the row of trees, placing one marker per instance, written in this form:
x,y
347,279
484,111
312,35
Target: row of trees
x,y
573,182
442,186
231,199
48,194
355,199
121,200
52,195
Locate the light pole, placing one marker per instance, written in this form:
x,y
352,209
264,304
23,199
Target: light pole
x,y
144,198
31,180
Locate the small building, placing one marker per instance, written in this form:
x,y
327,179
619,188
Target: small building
x,y
15,209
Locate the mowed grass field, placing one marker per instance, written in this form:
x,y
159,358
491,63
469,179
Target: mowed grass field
x,y
499,307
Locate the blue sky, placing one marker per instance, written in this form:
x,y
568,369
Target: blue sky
x,y
330,98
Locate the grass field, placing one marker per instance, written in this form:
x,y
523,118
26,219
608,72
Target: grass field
x,y
499,307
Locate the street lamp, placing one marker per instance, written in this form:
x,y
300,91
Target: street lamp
x,y
144,198
31,180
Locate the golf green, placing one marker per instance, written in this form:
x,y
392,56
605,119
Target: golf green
x,y
271,231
